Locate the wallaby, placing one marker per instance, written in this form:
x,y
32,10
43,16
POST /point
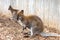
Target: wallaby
x,y
34,23
13,12
31,21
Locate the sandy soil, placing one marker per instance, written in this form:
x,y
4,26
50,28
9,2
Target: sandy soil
x,y
10,30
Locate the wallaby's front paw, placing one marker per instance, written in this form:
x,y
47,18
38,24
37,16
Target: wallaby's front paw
x,y
26,35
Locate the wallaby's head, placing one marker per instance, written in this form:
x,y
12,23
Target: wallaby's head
x,y
10,7
20,15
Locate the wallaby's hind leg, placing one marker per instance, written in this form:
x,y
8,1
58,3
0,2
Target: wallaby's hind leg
x,y
30,33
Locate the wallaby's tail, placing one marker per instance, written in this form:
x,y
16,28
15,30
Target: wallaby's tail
x,y
49,34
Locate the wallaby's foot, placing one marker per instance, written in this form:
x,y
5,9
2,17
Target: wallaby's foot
x,y
29,34
26,35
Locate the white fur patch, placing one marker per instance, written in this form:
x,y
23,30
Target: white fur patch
x,y
21,23
31,31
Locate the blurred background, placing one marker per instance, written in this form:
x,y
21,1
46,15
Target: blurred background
x,y
47,10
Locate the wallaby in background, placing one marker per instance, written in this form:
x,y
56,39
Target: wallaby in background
x,y
34,23
13,12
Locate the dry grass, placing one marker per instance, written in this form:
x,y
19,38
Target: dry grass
x,y
10,30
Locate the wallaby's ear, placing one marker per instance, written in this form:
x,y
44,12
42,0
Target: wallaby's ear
x,y
22,11
10,7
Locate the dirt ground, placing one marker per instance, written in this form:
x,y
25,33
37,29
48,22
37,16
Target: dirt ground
x,y
10,30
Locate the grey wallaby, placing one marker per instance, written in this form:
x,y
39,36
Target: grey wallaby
x,y
34,23
13,12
